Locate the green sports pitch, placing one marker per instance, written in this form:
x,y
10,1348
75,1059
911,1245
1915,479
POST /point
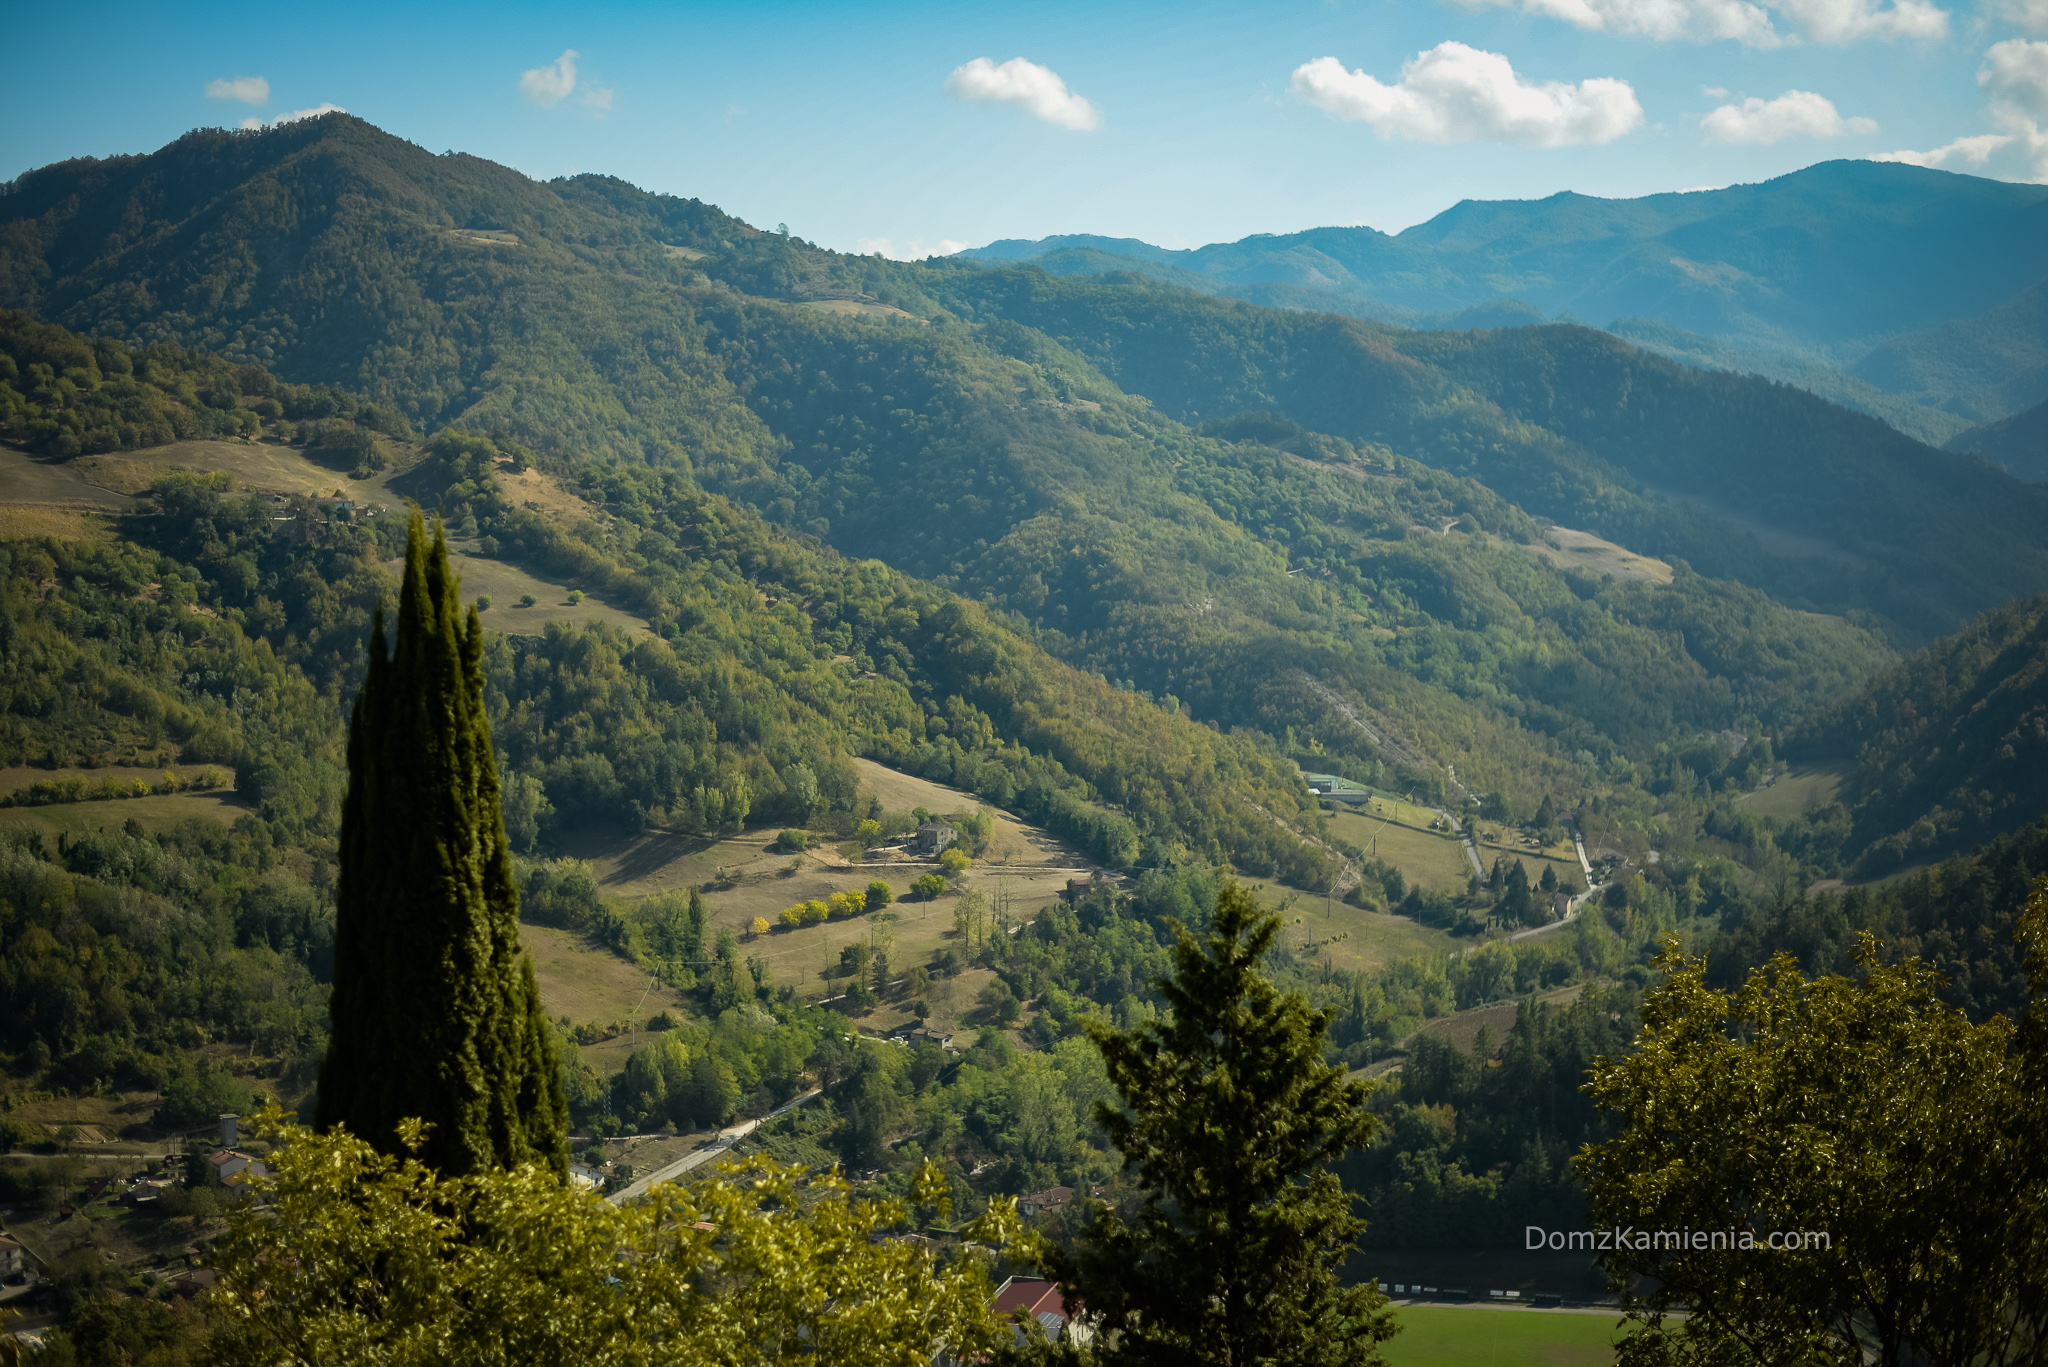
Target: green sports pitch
x,y
1481,1336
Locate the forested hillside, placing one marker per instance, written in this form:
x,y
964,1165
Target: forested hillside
x,y
1948,748
2019,443
1823,267
1577,426
648,347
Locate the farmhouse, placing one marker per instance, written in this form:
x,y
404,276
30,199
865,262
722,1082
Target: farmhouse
x,y
10,1256
227,1163
933,836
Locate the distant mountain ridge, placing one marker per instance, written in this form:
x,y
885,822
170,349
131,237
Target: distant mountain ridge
x,y
1825,265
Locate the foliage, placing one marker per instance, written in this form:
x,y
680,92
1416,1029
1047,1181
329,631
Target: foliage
x,y
1228,1116
361,1257
436,1011
1866,1113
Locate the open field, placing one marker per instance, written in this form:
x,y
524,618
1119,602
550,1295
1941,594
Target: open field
x,y
1429,859
254,465
153,813
1794,794
31,522
35,482
1350,937
1588,554
1452,1336
1025,867
505,583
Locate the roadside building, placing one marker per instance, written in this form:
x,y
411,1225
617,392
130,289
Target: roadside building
x,y
1052,1198
1031,1298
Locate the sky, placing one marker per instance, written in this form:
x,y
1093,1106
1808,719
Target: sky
x,y
909,129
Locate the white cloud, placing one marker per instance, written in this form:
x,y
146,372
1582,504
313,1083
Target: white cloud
x,y
1455,93
599,99
242,90
1794,114
1844,21
295,115
2015,73
547,86
915,249
2019,153
1017,81
1701,21
1714,92
2031,15
1746,22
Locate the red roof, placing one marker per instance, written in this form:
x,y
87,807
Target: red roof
x,y
1031,1295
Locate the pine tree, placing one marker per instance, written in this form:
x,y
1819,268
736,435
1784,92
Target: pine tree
x,y
435,1010
1230,1119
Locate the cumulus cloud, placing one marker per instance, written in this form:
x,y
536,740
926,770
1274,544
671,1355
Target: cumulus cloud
x,y
295,115
599,99
547,86
1794,114
2015,76
916,249
1746,22
1455,93
1019,82
2019,153
2015,73
2031,15
242,90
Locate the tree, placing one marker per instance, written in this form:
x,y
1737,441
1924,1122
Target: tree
x,y
355,1258
1518,905
1899,1145
436,1013
880,894
1229,1120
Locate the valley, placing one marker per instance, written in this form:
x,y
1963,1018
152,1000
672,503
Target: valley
x,y
888,676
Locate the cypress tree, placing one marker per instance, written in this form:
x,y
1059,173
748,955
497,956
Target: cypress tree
x,y
1230,1121
436,1013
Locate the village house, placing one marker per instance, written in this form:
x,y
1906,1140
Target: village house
x,y
1039,1300
933,836
233,1163
1052,1198
10,1257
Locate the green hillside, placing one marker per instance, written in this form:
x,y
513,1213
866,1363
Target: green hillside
x,y
1741,478
2019,443
1982,368
1951,746
1814,268
656,352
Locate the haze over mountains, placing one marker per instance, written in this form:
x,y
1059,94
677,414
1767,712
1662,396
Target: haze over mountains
x,y
1847,277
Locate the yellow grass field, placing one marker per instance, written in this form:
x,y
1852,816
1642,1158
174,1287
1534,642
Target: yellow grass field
x,y
36,521
505,583
1588,554
153,813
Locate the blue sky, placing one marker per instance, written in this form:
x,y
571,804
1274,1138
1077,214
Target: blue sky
x,y
901,127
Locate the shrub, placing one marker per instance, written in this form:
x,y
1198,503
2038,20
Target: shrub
x,y
929,886
847,904
483,602
758,926
794,841
954,862
527,600
880,895
575,597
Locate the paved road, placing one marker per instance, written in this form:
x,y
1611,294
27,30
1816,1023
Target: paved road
x,y
1471,850
725,1140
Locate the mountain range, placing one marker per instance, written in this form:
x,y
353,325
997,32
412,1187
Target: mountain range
x,y
1520,560
1923,285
